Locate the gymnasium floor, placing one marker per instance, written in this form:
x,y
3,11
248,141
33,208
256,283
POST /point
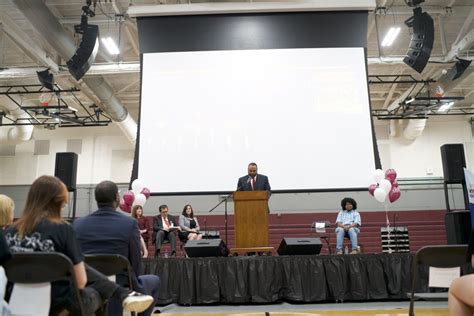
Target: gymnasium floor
x,y
422,308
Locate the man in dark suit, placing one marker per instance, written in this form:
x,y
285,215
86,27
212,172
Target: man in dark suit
x,y
164,227
109,231
253,181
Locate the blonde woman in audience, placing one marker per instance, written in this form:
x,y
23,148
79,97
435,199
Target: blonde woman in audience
x,y
461,291
189,225
6,211
41,229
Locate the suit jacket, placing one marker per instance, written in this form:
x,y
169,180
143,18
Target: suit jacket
x,y
109,231
262,183
158,224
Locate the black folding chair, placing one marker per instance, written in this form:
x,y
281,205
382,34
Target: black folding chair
x,y
448,256
41,267
324,236
111,265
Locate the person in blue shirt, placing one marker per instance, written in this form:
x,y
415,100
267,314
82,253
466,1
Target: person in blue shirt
x,y
348,224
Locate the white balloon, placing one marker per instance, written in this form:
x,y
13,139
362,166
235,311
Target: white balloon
x,y
378,175
385,184
140,199
137,186
380,195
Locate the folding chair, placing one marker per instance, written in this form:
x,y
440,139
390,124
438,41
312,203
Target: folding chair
x,y
315,226
33,273
111,265
448,256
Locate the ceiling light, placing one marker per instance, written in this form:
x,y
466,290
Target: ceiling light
x,y
391,36
109,43
409,100
445,107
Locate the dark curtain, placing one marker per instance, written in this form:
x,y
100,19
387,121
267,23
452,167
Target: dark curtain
x,y
305,279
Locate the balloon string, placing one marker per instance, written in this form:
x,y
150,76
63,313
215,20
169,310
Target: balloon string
x,y
388,223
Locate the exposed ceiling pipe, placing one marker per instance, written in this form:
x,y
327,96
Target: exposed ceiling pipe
x,y
49,27
16,134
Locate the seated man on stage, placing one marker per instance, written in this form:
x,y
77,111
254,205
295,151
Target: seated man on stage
x,y
164,227
348,223
253,181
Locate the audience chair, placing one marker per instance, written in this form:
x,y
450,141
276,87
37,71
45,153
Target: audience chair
x,y
444,256
35,271
111,265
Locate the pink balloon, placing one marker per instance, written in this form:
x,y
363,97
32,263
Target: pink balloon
x,y
146,192
390,175
125,207
372,188
395,184
128,197
394,194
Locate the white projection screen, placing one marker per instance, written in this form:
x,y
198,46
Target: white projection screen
x,y
302,115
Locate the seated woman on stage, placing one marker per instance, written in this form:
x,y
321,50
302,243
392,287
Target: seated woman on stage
x,y
6,211
137,213
42,229
189,225
348,223
461,291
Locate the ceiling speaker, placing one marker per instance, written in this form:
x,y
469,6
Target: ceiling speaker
x,y
421,42
85,55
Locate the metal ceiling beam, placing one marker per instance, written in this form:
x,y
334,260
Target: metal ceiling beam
x,y
29,47
47,24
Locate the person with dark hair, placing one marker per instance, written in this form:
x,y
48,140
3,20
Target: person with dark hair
x,y
348,222
137,213
164,227
253,181
41,228
109,231
461,291
189,225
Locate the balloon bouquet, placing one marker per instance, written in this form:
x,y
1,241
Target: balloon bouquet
x,y
137,196
385,190
386,186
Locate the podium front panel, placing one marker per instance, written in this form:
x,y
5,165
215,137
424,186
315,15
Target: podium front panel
x,y
251,219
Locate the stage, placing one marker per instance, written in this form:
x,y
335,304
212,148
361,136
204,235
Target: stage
x,y
268,279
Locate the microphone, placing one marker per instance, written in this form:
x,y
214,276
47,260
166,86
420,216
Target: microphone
x,y
249,179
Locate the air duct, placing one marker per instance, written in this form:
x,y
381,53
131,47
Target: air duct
x,y
52,31
16,134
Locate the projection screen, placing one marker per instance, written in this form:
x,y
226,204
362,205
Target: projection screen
x,y
302,115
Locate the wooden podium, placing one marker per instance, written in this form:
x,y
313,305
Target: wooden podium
x,y
251,221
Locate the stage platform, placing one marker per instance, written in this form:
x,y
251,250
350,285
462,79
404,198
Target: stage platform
x,y
269,279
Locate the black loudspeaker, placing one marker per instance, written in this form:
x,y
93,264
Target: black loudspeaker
x,y
206,248
421,42
66,169
82,60
458,227
452,156
300,246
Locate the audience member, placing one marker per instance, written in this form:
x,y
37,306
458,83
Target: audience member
x,y
348,223
41,228
137,213
164,227
6,211
461,291
109,231
189,225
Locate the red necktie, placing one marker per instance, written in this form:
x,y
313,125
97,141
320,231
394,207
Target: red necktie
x,y
254,184
167,222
